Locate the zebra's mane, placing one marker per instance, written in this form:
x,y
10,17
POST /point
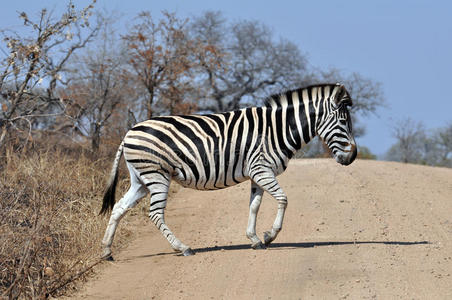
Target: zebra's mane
x,y
281,98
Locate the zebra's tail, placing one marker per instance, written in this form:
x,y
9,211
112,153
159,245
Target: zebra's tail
x,y
109,196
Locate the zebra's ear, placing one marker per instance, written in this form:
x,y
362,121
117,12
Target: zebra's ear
x,y
341,96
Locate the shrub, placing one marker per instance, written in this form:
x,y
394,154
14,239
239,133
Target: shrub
x,y
50,232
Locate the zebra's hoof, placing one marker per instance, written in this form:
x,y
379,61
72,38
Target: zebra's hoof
x,y
267,238
258,246
188,252
108,257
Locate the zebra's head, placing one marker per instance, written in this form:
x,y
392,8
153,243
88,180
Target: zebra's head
x,y
335,129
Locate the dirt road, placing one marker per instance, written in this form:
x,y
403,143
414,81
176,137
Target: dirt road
x,y
370,230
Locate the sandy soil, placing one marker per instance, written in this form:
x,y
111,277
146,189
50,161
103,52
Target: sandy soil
x,y
370,230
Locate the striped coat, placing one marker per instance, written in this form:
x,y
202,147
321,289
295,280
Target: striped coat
x,y
214,151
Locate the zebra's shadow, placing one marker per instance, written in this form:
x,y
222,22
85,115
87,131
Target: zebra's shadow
x,y
286,246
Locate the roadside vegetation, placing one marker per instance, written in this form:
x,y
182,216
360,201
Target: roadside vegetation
x,y
49,227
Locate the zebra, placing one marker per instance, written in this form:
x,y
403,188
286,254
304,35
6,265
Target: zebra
x,y
215,151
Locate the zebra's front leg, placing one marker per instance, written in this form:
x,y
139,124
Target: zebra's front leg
x,y
270,236
267,181
159,194
255,203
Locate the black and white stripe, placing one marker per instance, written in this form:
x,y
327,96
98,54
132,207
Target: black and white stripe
x,y
215,151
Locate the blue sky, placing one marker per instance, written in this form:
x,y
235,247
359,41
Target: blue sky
x,y
405,45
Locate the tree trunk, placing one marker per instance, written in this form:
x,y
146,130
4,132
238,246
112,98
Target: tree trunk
x,y
2,135
95,138
2,144
149,103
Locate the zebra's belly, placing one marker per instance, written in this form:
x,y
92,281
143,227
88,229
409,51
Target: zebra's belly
x,y
207,185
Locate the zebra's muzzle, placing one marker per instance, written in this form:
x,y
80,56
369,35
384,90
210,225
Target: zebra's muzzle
x,y
346,158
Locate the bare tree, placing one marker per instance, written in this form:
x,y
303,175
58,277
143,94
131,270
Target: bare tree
x,y
443,141
410,142
33,67
416,145
164,60
98,85
253,64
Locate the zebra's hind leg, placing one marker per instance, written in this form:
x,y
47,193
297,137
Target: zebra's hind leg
x,y
267,181
158,185
136,191
255,203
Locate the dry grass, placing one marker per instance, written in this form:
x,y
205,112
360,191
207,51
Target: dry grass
x,y
49,228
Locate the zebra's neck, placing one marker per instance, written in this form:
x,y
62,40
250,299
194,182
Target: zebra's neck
x,y
293,118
